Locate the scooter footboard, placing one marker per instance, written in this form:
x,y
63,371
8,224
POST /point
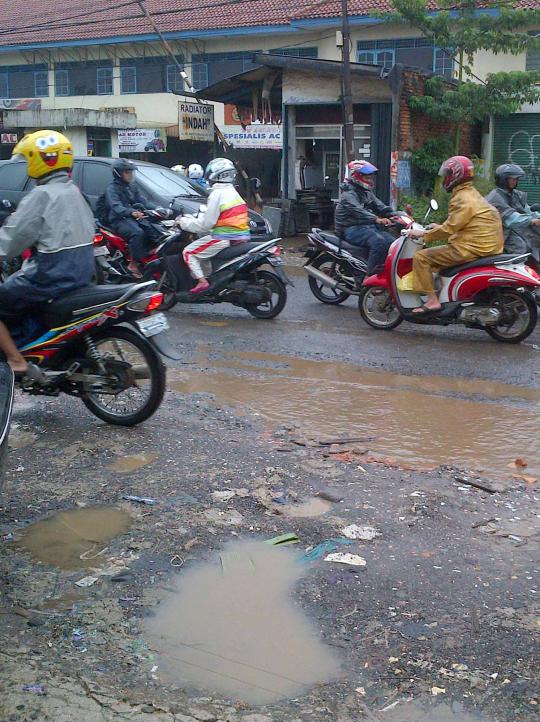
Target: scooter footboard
x,y
178,273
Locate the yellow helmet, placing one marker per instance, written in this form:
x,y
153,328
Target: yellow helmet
x,y
45,151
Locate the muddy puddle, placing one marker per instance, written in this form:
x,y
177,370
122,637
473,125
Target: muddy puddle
x,y
75,538
233,629
416,712
419,420
129,463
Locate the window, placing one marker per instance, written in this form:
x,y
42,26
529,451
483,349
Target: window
x,y
166,182
385,58
4,85
13,176
104,81
443,62
413,52
61,82
128,79
297,52
96,178
41,83
214,67
174,79
199,75
533,57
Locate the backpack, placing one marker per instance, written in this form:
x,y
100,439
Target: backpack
x,y
101,211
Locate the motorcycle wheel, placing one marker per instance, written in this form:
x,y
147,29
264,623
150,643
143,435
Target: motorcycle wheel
x,y
322,293
169,295
278,299
378,309
519,315
138,402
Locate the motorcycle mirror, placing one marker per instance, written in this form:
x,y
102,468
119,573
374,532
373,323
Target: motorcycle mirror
x,y
434,205
6,203
256,183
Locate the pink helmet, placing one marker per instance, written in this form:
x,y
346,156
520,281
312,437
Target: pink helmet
x,y
456,170
362,173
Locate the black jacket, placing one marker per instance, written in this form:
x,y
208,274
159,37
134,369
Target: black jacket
x,y
121,199
358,207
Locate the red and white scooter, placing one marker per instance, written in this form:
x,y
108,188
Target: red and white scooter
x,y
494,293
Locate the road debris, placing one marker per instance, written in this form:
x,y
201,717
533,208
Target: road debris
x,y
324,548
344,558
86,581
362,533
141,499
38,689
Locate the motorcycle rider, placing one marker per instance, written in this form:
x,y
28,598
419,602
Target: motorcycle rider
x,y
124,202
195,173
521,225
473,229
361,217
56,220
225,221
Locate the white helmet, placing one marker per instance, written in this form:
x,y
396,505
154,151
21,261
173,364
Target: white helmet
x,y
220,170
195,171
179,169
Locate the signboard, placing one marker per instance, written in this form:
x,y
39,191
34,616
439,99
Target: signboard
x,y
142,140
8,138
195,122
20,103
254,136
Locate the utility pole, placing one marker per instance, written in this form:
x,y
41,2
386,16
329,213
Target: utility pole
x,y
348,117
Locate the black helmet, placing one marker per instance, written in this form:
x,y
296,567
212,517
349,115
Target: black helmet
x,y
121,166
506,171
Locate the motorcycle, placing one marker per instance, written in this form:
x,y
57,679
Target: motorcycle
x,y
112,254
493,293
6,405
336,269
102,344
234,274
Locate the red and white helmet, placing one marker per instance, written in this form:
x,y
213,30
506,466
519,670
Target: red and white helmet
x,y
456,170
362,173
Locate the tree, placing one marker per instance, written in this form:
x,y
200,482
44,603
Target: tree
x,y
462,28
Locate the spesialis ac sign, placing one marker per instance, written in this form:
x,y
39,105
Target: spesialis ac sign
x,y
195,121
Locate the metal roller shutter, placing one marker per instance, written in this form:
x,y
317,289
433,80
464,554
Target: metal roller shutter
x,y
517,139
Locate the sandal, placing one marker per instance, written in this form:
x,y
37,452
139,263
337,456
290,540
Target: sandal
x,y
424,310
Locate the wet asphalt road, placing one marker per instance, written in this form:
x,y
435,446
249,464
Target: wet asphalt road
x,y
441,625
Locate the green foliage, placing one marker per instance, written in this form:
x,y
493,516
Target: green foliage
x,y
426,162
464,28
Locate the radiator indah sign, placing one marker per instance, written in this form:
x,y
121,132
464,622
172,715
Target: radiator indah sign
x,y
195,122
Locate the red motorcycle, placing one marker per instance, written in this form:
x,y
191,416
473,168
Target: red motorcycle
x,y
493,293
112,257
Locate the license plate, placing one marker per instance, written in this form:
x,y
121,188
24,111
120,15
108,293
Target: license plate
x,y
101,251
153,324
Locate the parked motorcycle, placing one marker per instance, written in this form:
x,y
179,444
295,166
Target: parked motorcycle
x,y
6,405
336,268
101,344
493,293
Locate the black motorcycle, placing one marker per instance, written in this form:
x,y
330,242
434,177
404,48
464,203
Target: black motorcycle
x,y
6,405
336,269
235,275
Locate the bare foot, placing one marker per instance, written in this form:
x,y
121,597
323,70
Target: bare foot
x,y
427,308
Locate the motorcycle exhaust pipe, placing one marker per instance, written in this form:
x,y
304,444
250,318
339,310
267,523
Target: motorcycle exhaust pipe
x,y
321,277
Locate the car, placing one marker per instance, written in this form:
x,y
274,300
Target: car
x,y
159,184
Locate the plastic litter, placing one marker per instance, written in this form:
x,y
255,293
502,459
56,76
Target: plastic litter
x,y
364,533
343,558
141,499
35,689
323,548
283,539
86,581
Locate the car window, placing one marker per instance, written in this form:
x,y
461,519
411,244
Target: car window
x,y
13,176
163,180
96,178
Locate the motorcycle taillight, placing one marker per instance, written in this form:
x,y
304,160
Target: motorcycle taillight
x,y
155,302
276,250
98,238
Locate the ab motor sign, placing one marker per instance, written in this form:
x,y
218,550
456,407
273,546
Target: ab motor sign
x,y
195,122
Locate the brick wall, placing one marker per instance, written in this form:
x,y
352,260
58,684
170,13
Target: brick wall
x,y
415,128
